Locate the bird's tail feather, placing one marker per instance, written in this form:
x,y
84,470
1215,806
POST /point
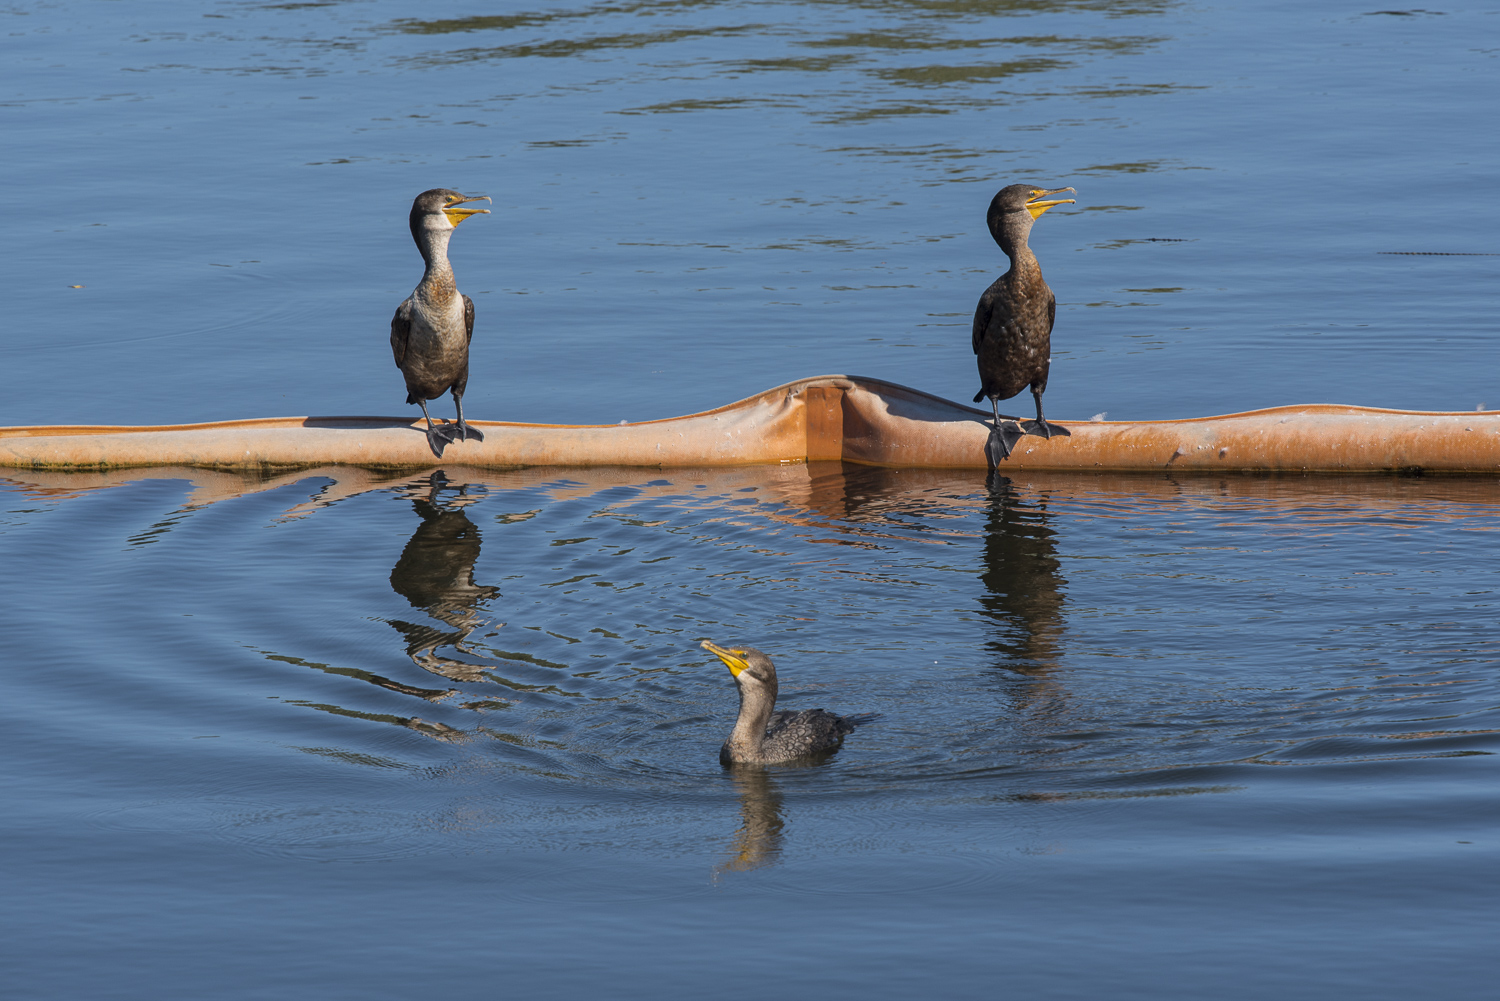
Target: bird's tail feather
x,y
977,396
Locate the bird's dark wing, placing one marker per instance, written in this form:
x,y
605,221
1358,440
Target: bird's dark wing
x,y
981,320
400,331
1051,310
469,317
815,728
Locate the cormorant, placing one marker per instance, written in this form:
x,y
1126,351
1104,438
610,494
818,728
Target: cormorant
x,y
431,330
1013,322
763,737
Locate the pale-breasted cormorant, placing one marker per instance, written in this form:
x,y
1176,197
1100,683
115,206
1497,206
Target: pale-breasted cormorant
x,y
1013,322
431,330
764,737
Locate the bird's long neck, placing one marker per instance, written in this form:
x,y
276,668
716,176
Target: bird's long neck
x,y
437,280
1011,231
749,732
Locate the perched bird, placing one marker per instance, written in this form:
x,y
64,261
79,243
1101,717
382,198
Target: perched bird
x,y
1013,322
763,737
431,330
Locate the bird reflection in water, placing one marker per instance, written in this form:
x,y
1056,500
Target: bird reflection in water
x,y
436,574
757,843
1023,590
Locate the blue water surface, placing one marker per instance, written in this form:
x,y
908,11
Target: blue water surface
x,y
341,733
698,200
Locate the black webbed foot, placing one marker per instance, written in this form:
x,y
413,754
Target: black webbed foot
x,y
437,437
1045,429
460,432
1002,442
464,430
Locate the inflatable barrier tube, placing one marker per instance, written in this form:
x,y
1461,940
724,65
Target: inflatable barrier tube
x,y
831,417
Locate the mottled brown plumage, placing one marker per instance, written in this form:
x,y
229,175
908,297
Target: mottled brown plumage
x,y
431,330
1013,322
762,736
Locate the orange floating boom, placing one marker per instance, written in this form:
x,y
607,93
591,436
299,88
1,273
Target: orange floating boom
x,y
833,417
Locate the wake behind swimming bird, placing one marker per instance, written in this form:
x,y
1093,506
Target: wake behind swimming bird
x,y
431,330
762,736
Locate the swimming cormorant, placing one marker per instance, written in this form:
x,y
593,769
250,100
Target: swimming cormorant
x,y
764,737
431,330
1013,322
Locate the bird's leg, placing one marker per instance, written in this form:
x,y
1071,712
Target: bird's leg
x,y
464,431
998,447
436,440
1040,425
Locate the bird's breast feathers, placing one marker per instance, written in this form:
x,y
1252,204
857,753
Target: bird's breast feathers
x,y
445,318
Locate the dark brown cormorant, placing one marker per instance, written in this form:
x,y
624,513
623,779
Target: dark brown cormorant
x,y
431,330
764,737
1013,322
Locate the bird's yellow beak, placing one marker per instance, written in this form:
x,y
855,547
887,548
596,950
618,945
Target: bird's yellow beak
x,y
732,659
457,215
1036,208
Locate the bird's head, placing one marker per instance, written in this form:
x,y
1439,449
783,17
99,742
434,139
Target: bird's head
x,y
438,211
1025,198
750,667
